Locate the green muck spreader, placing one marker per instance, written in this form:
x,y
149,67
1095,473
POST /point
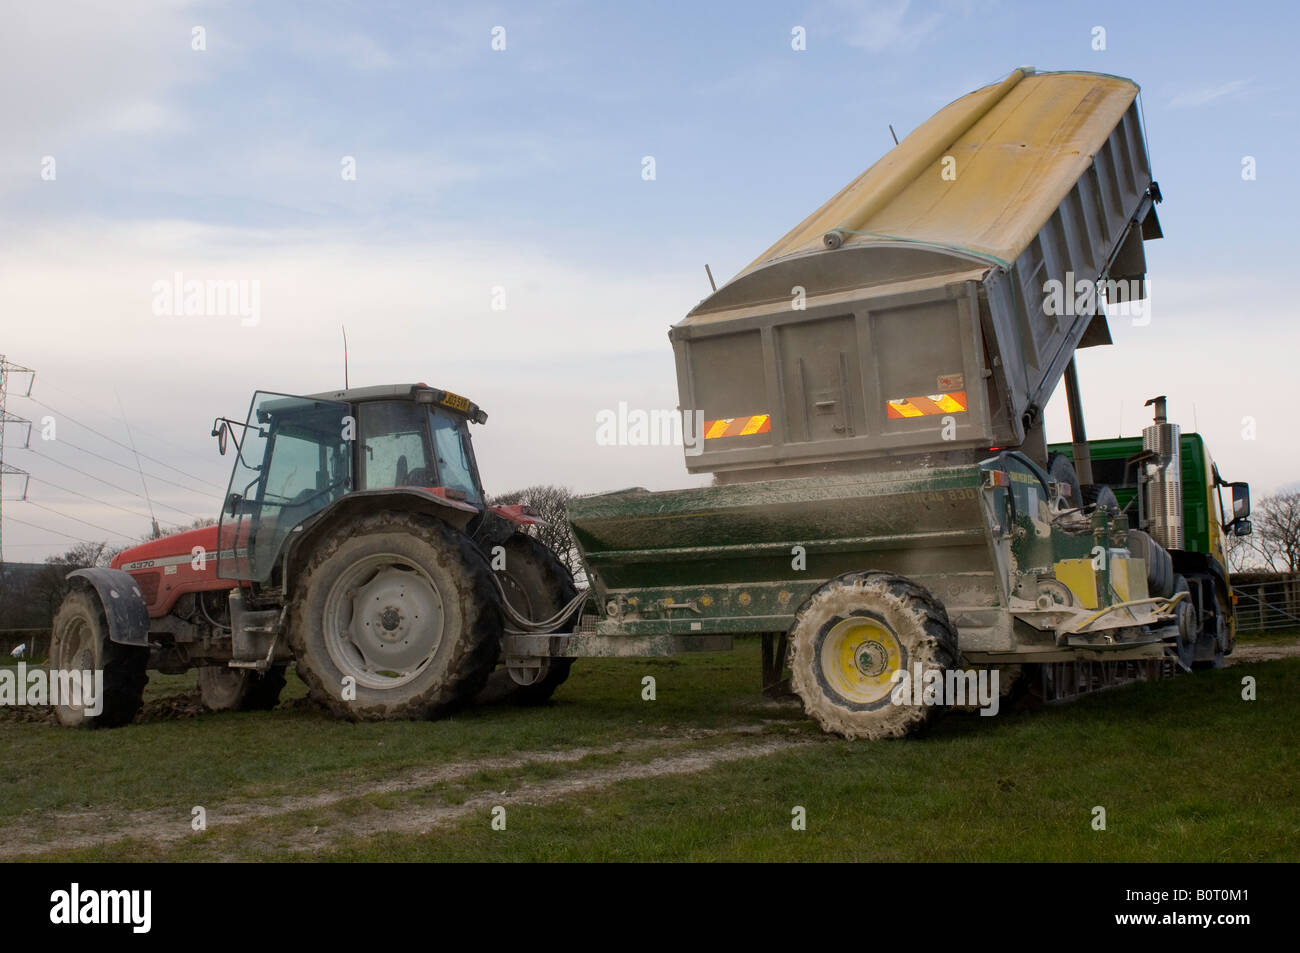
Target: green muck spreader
x,y
885,510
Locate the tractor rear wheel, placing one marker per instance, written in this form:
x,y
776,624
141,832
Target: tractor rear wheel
x,y
395,615
537,586
849,641
80,642
239,689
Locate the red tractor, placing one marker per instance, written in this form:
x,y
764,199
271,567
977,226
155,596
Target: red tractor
x,y
356,542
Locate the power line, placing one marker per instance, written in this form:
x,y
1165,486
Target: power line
x,y
91,498
121,444
14,519
163,440
153,519
100,456
102,529
121,489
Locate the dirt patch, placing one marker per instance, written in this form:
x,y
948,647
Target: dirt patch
x,y
423,820
163,708
1248,652
75,830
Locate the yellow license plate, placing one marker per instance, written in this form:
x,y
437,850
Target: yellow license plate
x,y
455,401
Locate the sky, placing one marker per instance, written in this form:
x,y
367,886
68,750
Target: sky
x,y
381,166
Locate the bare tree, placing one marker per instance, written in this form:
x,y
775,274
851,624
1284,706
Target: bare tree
x,y
1241,554
551,505
1276,536
51,583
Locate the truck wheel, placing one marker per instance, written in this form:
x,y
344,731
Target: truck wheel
x,y
394,616
80,642
1220,637
222,688
537,585
849,638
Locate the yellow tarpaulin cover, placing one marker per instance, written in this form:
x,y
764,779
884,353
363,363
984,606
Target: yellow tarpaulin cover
x,y
1016,147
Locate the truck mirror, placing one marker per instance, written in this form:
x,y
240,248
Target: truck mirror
x,y
1240,501
220,431
1242,528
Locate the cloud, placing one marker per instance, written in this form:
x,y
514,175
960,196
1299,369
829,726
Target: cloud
x,y
885,25
1193,98
571,341
79,70
355,50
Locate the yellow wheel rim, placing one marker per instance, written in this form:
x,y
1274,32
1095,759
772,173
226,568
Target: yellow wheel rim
x,y
859,657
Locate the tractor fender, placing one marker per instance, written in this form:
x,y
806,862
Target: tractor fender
x,y
124,605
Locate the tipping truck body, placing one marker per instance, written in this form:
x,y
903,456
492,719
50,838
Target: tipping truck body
x,y
871,389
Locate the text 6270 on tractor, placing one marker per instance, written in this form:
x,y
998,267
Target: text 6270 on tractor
x,y
356,541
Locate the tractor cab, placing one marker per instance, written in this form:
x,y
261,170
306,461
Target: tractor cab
x,y
297,456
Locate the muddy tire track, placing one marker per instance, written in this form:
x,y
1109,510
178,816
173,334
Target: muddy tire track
x,y
72,830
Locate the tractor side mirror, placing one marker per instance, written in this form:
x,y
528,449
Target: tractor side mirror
x,y
1242,528
220,430
232,504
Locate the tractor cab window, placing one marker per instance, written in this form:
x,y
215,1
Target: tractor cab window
x,y
293,461
394,445
455,458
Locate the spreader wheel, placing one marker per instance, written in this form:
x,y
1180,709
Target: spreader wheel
x,y
849,640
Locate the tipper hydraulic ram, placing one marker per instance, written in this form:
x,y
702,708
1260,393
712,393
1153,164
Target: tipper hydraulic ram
x,y
884,503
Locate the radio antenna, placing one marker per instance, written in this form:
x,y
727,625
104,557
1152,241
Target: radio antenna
x,y
345,355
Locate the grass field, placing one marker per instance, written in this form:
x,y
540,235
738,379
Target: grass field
x,y
1185,769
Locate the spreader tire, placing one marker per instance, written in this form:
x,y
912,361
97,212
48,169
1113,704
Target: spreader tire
x,y
851,636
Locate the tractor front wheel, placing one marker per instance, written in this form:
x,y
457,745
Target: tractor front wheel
x,y
394,616
80,643
853,640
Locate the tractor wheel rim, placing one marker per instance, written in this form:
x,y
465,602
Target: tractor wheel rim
x,y
858,659
383,621
76,651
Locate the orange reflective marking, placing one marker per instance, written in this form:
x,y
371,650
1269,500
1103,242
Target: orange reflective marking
x,y
737,426
899,408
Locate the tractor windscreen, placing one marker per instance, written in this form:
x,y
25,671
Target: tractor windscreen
x,y
455,458
294,460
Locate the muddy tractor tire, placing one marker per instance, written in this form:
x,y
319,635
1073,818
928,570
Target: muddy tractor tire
x,y
80,642
394,616
239,689
537,586
848,640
